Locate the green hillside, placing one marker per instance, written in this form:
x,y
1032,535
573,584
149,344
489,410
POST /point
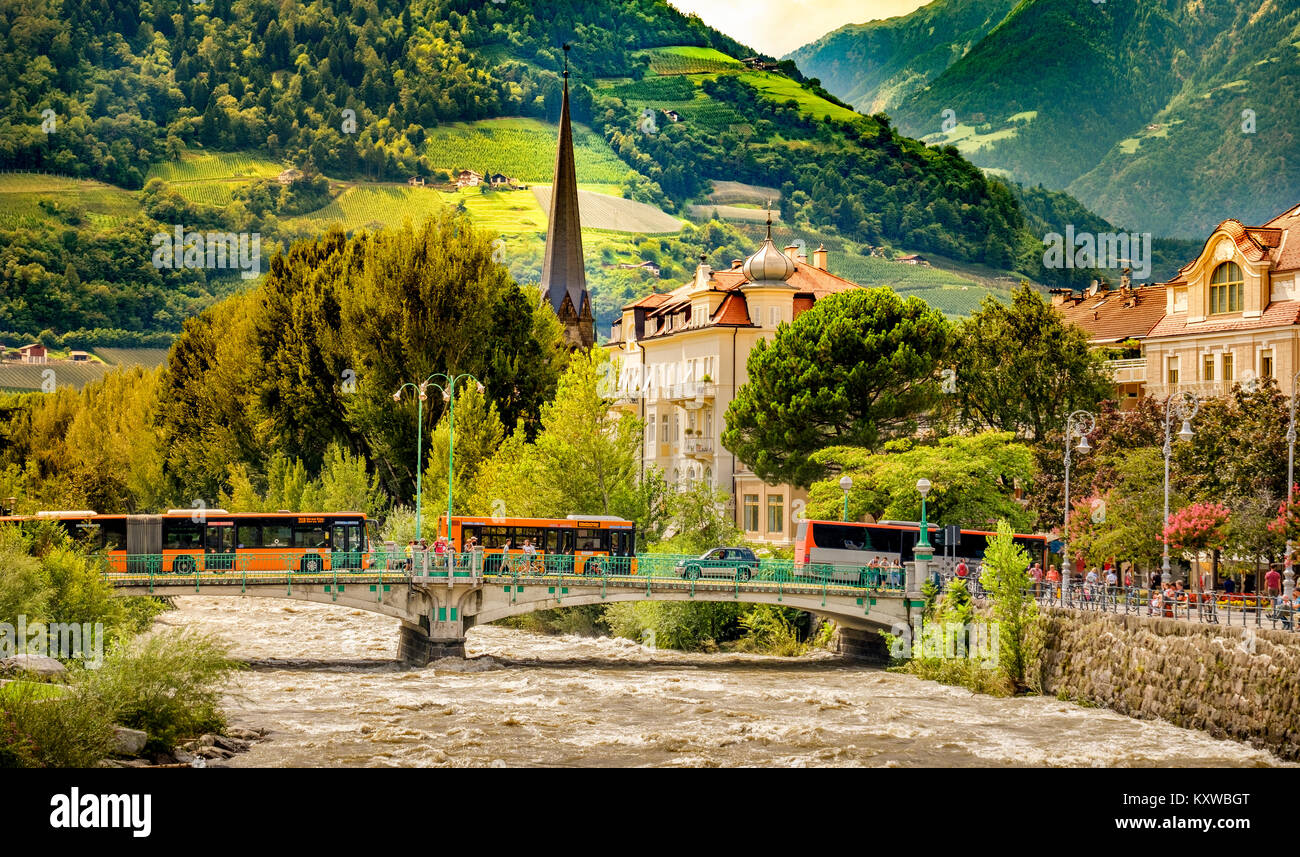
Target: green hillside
x,y
1164,116
204,105
521,148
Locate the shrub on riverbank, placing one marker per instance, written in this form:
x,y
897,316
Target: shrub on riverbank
x,y
168,685
40,729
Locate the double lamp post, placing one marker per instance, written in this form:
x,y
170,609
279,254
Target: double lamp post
x,y
448,390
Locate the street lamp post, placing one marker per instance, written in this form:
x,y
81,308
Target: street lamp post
x,y
448,396
1187,406
1288,584
846,484
923,485
1079,424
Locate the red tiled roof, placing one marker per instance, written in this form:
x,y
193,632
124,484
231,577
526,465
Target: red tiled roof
x,y
732,311
1271,241
808,282
1287,255
1279,313
1107,317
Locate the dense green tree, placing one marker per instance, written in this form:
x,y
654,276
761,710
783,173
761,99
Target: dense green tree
x,y
1021,368
854,370
974,481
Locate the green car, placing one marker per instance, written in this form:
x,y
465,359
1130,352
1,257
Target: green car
x,y
738,563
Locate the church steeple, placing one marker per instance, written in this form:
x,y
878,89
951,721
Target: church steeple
x,y
564,277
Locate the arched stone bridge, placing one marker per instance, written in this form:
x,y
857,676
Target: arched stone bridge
x,y
437,609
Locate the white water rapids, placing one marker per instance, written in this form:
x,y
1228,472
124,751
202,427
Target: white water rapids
x,y
324,681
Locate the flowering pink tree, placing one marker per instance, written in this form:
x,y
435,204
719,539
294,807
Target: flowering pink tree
x,y
1199,527
1288,517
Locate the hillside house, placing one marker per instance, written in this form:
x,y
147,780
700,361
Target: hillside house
x,y
289,176
468,178
34,353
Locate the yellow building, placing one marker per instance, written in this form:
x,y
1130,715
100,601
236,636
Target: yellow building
x,y
682,357
1232,315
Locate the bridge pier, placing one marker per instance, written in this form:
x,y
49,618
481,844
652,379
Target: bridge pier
x,y
417,649
868,647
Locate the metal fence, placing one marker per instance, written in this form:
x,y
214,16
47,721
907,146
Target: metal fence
x,y
396,563
1212,608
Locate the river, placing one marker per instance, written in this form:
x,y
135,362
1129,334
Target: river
x,y
324,681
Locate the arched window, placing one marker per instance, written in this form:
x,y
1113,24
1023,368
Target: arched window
x,y
1225,288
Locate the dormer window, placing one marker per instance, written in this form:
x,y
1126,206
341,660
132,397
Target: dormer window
x,y
1225,289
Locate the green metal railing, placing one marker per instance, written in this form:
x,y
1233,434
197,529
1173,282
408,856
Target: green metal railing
x,y
403,565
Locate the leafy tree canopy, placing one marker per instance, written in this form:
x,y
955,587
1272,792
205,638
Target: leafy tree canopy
x,y
854,370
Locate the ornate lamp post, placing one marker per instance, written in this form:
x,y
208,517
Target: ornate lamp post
x,y
846,484
923,485
1288,584
1186,404
1079,424
448,396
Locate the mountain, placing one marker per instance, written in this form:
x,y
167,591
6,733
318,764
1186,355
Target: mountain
x,y
1162,115
133,119
873,65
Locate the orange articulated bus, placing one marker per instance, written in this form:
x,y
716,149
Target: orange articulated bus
x,y
184,541
599,544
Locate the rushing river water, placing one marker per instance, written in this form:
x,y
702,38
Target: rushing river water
x,y
324,682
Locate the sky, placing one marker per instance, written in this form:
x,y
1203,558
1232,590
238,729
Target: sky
x,y
777,27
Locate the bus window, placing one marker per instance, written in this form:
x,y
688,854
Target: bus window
x,y
592,539
533,534
277,536
248,536
309,536
553,540
468,532
837,537
495,537
114,533
182,535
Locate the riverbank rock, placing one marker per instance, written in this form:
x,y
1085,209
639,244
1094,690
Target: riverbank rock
x,y
40,665
128,742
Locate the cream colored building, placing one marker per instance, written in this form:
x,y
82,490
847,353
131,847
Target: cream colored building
x,y
1230,316
682,356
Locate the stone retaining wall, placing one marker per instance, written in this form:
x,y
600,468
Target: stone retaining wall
x,y
1231,682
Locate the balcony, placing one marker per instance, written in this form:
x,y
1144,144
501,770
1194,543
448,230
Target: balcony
x,y
698,447
1202,389
691,394
1128,371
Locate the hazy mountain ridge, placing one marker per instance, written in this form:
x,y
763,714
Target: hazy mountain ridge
x,y
1136,108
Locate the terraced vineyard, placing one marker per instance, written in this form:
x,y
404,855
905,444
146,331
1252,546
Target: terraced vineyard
x,y
389,205
952,294
211,178
32,376
690,60
21,195
214,166
523,149
146,357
